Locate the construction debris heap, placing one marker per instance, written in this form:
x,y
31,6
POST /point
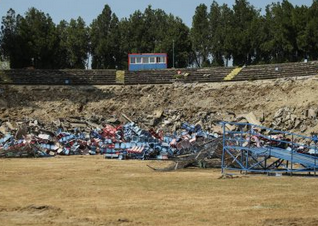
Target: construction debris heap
x,y
116,140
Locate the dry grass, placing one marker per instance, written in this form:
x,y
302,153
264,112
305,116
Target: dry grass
x,y
94,191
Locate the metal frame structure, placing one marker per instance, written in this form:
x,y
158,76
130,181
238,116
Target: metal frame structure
x,y
252,148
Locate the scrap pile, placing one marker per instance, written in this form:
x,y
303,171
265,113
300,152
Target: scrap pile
x,y
127,141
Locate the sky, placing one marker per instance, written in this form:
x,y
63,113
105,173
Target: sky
x,y
90,9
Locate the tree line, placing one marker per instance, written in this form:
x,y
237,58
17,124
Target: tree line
x,y
219,34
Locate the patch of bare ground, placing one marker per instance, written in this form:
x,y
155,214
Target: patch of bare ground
x,y
292,222
90,190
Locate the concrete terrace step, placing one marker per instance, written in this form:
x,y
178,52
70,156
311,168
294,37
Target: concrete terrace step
x,y
183,75
59,77
169,76
277,71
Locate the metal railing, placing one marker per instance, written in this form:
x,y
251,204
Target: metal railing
x,y
253,148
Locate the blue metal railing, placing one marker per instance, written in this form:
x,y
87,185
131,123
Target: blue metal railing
x,y
254,148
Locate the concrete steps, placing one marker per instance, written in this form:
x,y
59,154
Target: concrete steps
x,y
277,71
58,77
169,76
183,75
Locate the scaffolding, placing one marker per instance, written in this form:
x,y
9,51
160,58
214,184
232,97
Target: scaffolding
x,y
251,148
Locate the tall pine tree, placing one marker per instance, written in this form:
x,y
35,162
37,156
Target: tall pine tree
x,y
200,36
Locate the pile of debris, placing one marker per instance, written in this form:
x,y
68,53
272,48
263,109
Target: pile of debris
x,y
113,140
289,118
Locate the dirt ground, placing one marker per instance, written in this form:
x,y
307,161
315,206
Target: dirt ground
x,y
93,191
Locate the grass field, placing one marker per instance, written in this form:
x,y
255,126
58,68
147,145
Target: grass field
x,y
87,190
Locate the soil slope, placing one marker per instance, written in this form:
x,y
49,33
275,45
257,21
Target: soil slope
x,y
286,103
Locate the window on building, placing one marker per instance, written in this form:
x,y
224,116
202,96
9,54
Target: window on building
x,y
161,60
132,60
152,60
145,60
138,60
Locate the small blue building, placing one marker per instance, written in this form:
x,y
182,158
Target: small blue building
x,y
147,61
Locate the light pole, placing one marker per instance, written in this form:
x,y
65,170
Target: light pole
x,y
173,53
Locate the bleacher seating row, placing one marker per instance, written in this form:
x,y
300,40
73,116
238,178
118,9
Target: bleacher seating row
x,y
169,76
274,71
216,74
58,77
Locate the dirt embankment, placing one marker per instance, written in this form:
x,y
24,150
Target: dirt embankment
x,y
285,104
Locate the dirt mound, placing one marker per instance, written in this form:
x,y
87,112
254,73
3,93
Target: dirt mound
x,y
285,103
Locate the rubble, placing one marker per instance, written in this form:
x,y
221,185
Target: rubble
x,y
250,118
207,155
289,118
161,107
189,145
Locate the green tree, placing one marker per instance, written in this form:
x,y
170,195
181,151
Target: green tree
x,y
9,39
77,43
153,31
137,34
178,33
220,28
30,40
309,40
105,41
200,35
74,43
300,21
245,16
281,41
225,43
62,52
39,40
